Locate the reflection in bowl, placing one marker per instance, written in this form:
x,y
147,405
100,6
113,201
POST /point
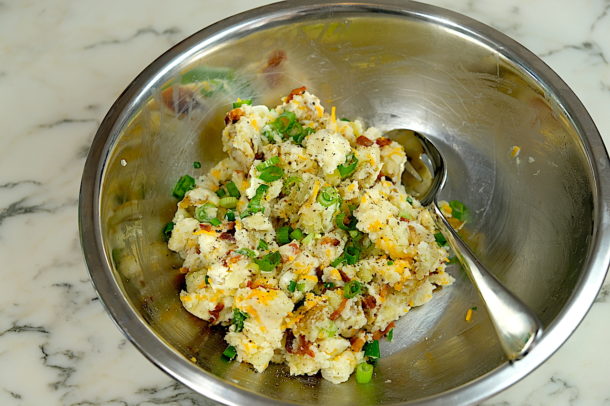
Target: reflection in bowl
x,y
538,216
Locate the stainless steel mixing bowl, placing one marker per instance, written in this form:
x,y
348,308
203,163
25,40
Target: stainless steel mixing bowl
x,y
541,220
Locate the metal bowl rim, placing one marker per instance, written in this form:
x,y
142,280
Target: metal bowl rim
x,y
176,365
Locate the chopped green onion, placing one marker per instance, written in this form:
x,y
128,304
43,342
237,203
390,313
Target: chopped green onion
x,y
390,262
409,200
228,202
262,246
167,231
356,235
329,285
329,196
297,234
308,239
238,319
269,162
232,189
283,235
390,335
298,138
453,260
459,210
255,204
184,184
351,289
289,183
292,286
405,215
332,330
230,215
202,215
247,252
221,193
440,239
196,164
338,261
339,221
207,279
230,352
474,308
352,254
364,372
270,133
301,286
348,167
371,349
269,262
271,174
344,119
241,102
284,121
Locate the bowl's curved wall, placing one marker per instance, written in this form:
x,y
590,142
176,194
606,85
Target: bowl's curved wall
x,y
534,216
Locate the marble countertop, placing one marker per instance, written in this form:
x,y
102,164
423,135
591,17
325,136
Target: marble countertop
x,y
63,63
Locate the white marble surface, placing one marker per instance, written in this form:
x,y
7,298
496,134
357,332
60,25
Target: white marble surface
x,y
62,64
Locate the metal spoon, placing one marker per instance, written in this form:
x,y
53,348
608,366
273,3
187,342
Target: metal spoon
x,y
517,327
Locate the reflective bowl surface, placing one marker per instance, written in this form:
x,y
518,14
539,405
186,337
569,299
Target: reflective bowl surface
x,y
540,220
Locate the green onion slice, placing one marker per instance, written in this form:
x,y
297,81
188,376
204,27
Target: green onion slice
x,y
221,193
364,372
340,222
289,183
269,162
440,239
230,215
298,138
297,234
371,349
390,335
232,189
459,210
351,289
230,352
351,254
271,174
329,285
283,235
202,215
329,196
269,262
348,167
228,202
409,200
196,164
247,252
292,286
284,122
184,184
238,319
255,205
167,231
262,246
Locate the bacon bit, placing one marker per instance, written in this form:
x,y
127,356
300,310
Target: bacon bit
x,y
259,156
382,141
234,115
179,102
344,276
382,333
330,240
369,302
206,227
357,343
230,225
304,347
183,270
289,346
226,236
216,312
319,273
335,315
404,219
295,92
197,250
364,141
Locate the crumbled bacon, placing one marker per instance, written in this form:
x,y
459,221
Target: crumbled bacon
x,y
259,156
289,341
230,225
234,115
344,276
335,315
304,347
216,312
382,141
330,240
226,236
364,141
382,333
206,227
295,92
356,343
369,302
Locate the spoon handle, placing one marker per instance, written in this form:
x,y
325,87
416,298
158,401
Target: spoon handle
x,y
517,326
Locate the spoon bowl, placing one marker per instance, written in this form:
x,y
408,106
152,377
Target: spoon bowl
x,y
517,327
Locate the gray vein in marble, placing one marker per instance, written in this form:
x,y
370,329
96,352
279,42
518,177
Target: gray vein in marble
x,y
24,328
14,395
50,360
600,17
18,208
590,47
142,31
12,185
68,121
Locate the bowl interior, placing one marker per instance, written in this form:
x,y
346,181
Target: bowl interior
x,y
531,213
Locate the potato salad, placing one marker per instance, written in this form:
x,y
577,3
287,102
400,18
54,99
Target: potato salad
x,y
302,242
